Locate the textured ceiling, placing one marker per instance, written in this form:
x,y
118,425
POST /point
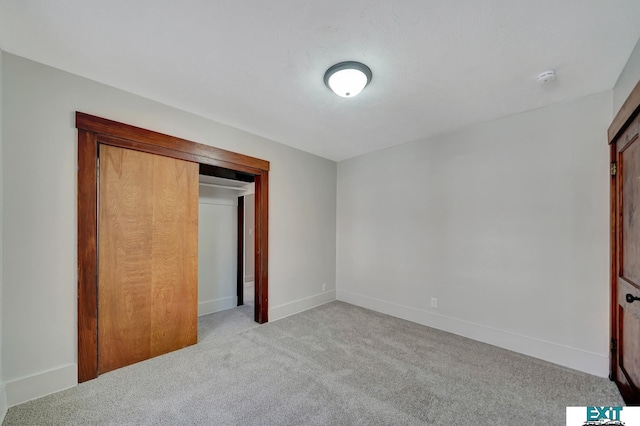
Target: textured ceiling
x,y
258,65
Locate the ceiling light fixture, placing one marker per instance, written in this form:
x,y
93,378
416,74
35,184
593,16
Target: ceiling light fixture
x,y
347,79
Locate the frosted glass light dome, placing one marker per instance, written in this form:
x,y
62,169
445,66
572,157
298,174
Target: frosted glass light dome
x,y
347,79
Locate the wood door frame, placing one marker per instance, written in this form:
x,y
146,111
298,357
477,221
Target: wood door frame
x,y
240,253
628,112
93,131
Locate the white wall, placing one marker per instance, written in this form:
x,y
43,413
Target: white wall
x,y
39,219
505,223
217,250
3,395
628,79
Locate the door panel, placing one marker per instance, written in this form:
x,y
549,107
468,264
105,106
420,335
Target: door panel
x,y
628,269
174,317
630,196
147,256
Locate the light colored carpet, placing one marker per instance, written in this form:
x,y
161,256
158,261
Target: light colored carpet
x,y
337,364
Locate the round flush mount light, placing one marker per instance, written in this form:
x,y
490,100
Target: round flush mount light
x,y
546,77
347,79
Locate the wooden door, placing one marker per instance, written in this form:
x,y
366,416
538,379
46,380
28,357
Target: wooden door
x,y
626,343
93,131
147,256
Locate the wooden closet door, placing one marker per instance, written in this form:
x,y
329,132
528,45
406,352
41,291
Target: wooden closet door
x,y
147,256
627,328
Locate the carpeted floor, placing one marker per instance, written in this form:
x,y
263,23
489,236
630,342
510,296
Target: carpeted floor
x,y
333,365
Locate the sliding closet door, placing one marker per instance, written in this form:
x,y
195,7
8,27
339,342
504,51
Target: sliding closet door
x,y
147,256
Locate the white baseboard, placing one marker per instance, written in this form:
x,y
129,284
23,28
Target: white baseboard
x,y
42,384
287,309
3,402
578,359
216,305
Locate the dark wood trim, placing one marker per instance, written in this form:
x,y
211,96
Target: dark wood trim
x,y
240,263
173,153
126,131
87,256
93,131
613,359
261,247
627,112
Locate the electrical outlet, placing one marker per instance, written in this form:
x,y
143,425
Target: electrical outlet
x,y
324,286
434,302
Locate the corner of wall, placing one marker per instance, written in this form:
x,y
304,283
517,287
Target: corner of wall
x,y
627,80
41,384
3,402
291,308
3,393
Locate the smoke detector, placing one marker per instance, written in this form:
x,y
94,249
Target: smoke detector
x,y
546,77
